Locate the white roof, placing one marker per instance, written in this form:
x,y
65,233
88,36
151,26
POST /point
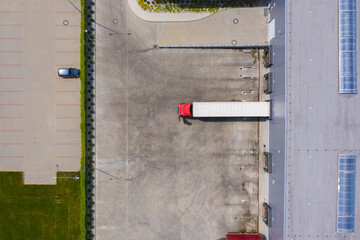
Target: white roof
x,y
231,109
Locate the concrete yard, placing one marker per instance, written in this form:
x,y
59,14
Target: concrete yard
x,y
39,112
157,177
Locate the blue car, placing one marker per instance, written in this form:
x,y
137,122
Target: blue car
x,y
69,72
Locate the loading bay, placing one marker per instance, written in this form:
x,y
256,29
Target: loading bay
x,y
159,177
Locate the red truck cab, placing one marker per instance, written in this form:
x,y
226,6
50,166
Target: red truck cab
x,y
185,110
244,236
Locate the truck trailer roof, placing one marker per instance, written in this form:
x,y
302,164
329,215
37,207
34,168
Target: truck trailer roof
x,y
231,109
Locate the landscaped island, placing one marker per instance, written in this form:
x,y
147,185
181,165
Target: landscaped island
x,y
177,6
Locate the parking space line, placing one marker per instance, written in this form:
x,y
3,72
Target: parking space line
x,y
67,130
68,25
11,11
71,65
11,104
67,104
11,117
11,25
68,91
67,51
11,51
11,91
11,156
11,38
69,12
10,65
11,130
66,117
67,38
67,156
67,143
11,143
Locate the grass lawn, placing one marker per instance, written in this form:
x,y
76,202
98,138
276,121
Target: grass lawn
x,y
40,211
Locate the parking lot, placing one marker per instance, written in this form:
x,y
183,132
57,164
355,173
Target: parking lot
x,y
156,176
39,112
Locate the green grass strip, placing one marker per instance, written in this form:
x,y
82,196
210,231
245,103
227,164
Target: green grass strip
x,y
200,6
82,123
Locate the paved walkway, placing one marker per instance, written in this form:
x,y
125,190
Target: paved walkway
x,y
229,27
244,25
39,112
164,17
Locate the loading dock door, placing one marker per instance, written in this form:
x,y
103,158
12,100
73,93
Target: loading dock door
x,y
271,32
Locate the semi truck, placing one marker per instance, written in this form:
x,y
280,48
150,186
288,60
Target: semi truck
x,y
224,109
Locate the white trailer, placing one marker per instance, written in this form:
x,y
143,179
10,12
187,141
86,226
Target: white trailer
x,y
225,109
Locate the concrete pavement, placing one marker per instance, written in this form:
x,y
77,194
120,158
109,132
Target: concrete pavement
x,y
40,113
173,181
242,25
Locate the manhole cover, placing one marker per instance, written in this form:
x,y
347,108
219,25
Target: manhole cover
x,y
233,42
235,20
115,21
66,22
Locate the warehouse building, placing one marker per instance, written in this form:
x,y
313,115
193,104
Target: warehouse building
x,y
314,132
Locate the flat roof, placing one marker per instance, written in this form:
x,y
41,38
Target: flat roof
x,y
321,123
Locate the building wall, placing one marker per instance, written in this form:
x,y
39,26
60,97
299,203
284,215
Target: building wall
x,y
277,126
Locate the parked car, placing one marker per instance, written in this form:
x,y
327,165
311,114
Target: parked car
x,y
69,72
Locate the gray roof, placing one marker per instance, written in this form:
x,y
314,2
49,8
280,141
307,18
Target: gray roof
x,y
312,123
